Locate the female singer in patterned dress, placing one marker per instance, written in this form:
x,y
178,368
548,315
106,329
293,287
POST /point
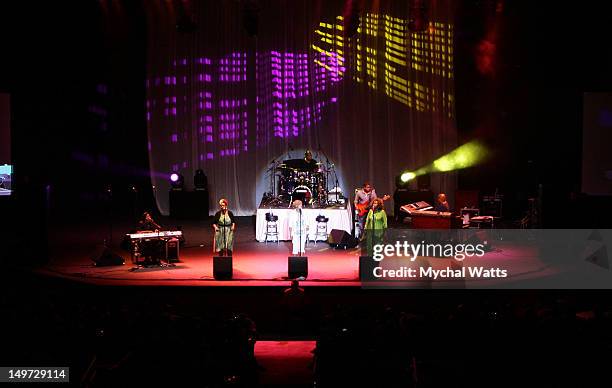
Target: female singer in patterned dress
x,y
224,225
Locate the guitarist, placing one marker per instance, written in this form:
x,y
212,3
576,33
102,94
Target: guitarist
x,y
363,202
363,198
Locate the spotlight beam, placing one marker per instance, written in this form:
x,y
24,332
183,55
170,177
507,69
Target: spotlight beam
x,y
464,156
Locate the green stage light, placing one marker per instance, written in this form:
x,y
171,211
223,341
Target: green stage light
x,y
405,177
464,156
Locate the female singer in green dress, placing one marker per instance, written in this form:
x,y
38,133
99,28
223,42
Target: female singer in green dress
x,y
224,224
376,224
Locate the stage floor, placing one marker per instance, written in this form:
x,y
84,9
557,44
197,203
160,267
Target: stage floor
x,y
255,263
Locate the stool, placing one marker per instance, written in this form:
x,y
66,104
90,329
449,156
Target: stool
x,y
271,227
321,230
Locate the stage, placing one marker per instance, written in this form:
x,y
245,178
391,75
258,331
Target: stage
x,y
259,264
254,263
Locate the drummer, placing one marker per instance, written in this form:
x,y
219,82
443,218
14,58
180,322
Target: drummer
x,y
310,163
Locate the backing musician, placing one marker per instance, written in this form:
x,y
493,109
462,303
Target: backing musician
x,y
364,196
150,249
441,204
147,223
311,164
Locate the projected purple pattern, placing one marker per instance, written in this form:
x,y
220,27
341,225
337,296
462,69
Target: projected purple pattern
x,y
328,71
285,103
233,68
221,122
284,96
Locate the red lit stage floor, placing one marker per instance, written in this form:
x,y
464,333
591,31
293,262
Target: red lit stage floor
x,y
255,263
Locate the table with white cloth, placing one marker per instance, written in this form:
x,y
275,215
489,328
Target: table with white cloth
x,y
339,218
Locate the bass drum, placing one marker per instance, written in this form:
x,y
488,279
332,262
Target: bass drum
x,y
303,193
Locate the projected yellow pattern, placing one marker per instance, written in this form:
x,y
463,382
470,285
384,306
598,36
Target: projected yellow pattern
x,y
329,42
431,51
386,52
397,85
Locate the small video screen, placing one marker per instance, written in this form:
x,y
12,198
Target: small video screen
x,y
6,168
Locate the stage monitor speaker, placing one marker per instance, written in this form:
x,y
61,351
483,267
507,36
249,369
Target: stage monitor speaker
x,y
366,268
298,267
172,250
223,267
341,239
104,257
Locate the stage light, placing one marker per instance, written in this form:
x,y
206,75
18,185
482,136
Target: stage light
x,y
464,156
200,181
177,181
407,176
467,155
443,164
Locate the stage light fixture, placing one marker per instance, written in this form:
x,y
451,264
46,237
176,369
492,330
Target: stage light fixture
x,y
407,176
177,181
200,181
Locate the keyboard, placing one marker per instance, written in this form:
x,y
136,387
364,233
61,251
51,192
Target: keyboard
x,y
162,234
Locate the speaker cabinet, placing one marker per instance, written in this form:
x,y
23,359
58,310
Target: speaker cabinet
x,y
298,267
366,268
341,239
172,250
223,267
104,257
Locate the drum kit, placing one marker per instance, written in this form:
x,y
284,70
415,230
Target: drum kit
x,y
294,179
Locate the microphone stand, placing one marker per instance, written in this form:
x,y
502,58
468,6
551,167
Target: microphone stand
x,y
273,179
224,242
289,151
109,191
336,182
327,164
300,233
225,238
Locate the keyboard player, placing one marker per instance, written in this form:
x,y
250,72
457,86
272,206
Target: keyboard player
x,y
441,204
150,249
147,223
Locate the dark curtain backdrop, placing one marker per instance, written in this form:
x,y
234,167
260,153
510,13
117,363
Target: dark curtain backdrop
x,y
5,129
375,102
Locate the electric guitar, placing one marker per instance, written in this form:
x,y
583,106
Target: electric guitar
x,y
363,208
